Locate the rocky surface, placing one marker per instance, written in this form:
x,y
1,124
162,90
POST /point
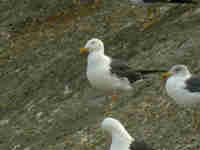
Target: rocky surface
x,y
46,102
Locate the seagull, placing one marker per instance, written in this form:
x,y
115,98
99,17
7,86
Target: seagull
x,y
182,86
121,140
152,10
108,74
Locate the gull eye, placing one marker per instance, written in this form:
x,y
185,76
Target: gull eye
x,y
177,69
93,42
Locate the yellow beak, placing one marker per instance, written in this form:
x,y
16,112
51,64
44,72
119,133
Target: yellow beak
x,y
83,50
166,75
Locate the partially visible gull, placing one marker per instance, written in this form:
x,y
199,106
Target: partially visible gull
x,y
182,86
121,140
108,74
155,12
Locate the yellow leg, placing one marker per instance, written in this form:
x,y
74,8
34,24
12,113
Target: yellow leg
x,y
148,14
195,120
114,96
156,14
96,4
153,18
108,109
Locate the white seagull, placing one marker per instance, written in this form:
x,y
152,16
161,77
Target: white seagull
x,y
121,140
108,74
182,86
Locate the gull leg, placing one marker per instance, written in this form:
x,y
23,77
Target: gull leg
x,y
158,12
146,24
140,18
148,14
195,120
96,4
110,106
153,19
114,97
156,15
108,109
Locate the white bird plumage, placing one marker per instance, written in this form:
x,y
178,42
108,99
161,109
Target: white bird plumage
x,y
179,88
108,74
98,69
121,139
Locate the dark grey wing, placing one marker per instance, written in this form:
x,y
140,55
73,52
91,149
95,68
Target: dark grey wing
x,y
140,145
122,70
193,84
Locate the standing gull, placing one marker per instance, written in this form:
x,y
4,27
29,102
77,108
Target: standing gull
x,y
155,12
108,74
121,140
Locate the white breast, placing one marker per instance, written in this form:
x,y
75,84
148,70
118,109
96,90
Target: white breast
x,y
98,73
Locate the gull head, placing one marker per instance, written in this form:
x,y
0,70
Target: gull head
x,y
115,128
93,45
177,70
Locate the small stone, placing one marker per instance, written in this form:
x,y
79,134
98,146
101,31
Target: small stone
x,y
4,122
67,90
38,115
27,148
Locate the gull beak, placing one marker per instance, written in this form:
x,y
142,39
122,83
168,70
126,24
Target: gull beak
x,y
83,50
166,75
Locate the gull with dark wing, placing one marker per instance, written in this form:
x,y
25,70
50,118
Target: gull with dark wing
x,y
108,74
184,88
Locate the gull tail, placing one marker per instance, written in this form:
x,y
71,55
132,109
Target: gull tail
x,y
135,75
143,72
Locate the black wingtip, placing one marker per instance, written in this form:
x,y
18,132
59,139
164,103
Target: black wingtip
x,y
140,145
150,71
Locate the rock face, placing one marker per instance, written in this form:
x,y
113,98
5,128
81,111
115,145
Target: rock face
x,y
46,102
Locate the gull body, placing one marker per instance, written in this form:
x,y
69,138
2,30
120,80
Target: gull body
x,y
108,74
99,69
181,85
